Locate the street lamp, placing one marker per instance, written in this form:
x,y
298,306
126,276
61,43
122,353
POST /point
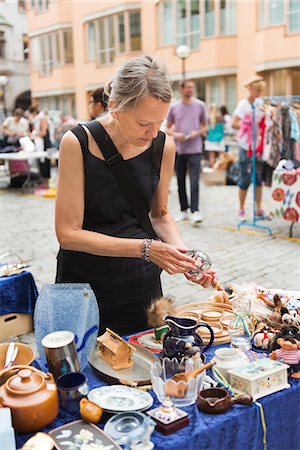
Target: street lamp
x,y
183,52
3,83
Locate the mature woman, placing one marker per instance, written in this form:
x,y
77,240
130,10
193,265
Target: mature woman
x,y
102,242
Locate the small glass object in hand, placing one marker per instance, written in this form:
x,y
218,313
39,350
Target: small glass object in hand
x,y
202,261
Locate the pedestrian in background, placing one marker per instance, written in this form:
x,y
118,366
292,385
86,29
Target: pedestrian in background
x,y
98,104
215,136
255,87
41,136
14,127
187,123
228,130
102,241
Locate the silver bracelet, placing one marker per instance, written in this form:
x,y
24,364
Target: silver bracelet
x,y
146,246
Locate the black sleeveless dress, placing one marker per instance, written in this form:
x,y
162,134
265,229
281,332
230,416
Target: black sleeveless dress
x,y
124,287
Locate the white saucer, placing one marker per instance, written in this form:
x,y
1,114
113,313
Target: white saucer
x,y
119,398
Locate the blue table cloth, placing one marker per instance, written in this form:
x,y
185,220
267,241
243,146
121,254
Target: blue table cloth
x,y
18,294
240,428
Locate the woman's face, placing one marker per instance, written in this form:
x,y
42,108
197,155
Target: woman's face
x,y
139,126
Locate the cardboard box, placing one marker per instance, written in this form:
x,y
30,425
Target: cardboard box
x,y
14,324
214,177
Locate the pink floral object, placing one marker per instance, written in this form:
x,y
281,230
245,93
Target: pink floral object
x,y
291,214
297,199
289,178
278,194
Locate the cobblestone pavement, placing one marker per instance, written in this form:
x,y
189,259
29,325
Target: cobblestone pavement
x,y
249,255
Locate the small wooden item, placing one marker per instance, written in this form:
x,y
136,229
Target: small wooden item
x,y
115,350
169,419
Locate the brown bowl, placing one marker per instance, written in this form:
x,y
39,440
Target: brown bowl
x,y
24,357
189,315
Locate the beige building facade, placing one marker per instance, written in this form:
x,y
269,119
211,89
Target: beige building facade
x,y
75,46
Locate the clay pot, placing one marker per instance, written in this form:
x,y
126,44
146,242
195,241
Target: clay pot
x,y
89,411
32,397
217,400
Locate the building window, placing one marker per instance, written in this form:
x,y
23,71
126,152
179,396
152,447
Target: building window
x,y
22,6
2,45
51,50
279,82
64,103
295,74
135,31
180,22
168,22
39,5
209,17
25,46
91,41
230,95
227,17
215,91
114,34
294,16
121,32
276,12
68,46
200,89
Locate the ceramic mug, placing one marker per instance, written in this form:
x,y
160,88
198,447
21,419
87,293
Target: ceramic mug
x,y
229,358
72,387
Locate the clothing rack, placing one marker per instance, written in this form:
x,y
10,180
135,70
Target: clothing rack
x,y
288,99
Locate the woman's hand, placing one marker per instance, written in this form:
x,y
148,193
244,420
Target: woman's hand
x,y
205,280
170,258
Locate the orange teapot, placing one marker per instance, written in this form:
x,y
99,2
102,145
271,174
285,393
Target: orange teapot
x,y
32,397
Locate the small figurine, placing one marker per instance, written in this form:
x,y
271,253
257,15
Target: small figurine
x,y
263,336
169,419
286,347
291,319
139,439
115,350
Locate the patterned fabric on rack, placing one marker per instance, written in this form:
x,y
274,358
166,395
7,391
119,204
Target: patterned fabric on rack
x,y
286,195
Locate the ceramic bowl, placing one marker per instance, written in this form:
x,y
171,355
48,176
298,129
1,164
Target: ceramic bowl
x,y
216,327
164,386
24,357
212,314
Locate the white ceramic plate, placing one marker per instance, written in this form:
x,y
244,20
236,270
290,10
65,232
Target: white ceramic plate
x,y
118,398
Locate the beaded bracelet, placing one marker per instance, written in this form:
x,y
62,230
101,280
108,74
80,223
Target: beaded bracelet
x,y
146,246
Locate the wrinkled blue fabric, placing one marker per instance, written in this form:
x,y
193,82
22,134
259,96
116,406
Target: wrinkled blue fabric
x,y
239,428
18,294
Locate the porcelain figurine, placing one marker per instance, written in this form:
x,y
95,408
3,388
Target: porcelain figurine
x,y
183,340
115,350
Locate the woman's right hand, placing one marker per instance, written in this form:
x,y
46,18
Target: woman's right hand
x,y
170,258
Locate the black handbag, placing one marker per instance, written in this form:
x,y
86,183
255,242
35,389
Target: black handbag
x,y
116,163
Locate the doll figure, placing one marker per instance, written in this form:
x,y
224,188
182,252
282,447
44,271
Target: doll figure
x,y
287,349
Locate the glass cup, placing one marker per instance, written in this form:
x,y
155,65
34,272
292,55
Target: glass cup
x,y
202,261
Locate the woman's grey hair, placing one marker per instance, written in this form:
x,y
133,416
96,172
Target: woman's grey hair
x,y
136,79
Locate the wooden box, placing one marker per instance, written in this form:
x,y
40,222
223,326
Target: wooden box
x,y
14,324
259,378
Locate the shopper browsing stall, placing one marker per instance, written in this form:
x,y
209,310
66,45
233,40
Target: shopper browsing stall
x,y
102,242
242,117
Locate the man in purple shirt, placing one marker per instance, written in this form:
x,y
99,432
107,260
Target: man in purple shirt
x,y
187,123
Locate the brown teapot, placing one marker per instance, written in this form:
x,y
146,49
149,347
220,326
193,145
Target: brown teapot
x,y
32,397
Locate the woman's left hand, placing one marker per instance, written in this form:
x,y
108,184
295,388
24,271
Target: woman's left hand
x,y
205,280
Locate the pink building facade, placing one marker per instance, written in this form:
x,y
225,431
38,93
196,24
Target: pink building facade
x,y
76,46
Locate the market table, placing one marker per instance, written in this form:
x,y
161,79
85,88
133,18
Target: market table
x,y
240,428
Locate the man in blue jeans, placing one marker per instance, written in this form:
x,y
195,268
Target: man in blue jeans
x,y
187,123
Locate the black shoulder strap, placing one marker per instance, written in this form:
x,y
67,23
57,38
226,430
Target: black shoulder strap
x,y
158,146
116,163
82,137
